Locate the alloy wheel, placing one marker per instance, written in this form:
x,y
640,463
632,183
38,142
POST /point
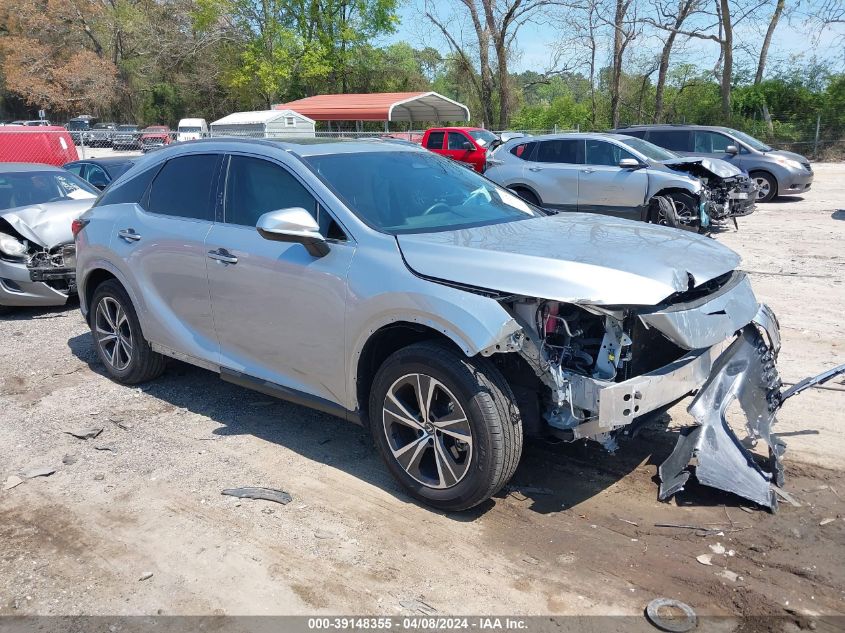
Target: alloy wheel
x,y
113,334
763,187
427,431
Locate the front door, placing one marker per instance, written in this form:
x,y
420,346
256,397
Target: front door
x,y
604,187
278,311
460,147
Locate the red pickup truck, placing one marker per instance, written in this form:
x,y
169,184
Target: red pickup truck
x,y
464,144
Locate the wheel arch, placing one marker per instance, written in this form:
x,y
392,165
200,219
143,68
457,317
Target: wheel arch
x,y
530,189
666,191
95,275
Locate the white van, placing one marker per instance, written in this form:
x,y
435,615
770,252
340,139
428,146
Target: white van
x,y
191,129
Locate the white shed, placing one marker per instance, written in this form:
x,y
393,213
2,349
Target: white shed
x,y
264,124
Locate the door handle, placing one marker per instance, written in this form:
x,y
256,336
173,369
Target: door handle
x,y
589,170
222,255
128,235
535,169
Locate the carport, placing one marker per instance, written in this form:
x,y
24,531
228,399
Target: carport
x,y
407,107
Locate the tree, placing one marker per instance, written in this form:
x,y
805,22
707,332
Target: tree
x,y
624,28
674,16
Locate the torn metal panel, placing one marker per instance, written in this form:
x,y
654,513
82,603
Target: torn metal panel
x,y
708,320
812,381
745,373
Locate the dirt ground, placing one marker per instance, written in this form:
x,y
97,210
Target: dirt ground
x,y
575,535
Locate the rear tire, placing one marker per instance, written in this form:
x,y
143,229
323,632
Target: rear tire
x,y
118,339
527,195
460,443
767,186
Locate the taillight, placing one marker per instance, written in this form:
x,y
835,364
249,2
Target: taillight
x,y
77,225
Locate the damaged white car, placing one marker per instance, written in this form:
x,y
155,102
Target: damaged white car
x,y
38,204
384,284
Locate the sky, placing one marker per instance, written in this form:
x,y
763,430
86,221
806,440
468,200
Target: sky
x,y
537,42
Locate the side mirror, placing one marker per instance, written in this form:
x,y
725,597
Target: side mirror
x,y
732,149
630,163
293,225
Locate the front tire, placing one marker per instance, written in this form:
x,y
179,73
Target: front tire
x,y
527,195
447,426
767,186
118,338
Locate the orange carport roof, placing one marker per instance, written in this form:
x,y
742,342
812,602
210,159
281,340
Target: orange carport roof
x,y
381,106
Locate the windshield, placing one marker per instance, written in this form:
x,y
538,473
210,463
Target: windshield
x,y
156,129
482,137
649,150
190,128
78,125
752,142
416,192
127,128
37,187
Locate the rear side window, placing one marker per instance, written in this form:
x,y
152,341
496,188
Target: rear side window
x,y
130,191
523,150
183,187
557,151
255,187
435,140
677,140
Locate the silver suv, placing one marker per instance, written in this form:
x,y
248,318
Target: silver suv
x,y
619,175
392,287
776,172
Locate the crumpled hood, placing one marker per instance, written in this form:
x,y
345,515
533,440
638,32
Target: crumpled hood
x,y
717,166
47,224
571,257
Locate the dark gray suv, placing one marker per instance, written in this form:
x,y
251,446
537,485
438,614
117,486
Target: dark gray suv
x,y
776,172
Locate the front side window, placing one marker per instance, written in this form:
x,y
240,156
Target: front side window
x,y
558,151
458,141
416,192
604,153
255,187
183,187
711,142
435,140
18,189
752,142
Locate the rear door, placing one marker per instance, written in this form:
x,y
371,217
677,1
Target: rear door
x,y
278,311
604,187
435,141
552,172
162,244
679,141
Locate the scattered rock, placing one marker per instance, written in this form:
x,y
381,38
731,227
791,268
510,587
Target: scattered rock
x,y
323,534
99,476
39,471
728,575
11,482
530,490
69,460
718,548
146,575
105,447
417,606
119,423
267,494
531,560
827,520
268,510
704,559
87,433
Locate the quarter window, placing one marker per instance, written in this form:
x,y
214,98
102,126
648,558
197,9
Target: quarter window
x,y
435,140
183,187
604,153
130,191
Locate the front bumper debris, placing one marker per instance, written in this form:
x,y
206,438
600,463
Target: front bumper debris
x,y
745,373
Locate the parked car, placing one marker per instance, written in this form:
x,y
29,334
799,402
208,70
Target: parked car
x,y
613,174
127,136
78,126
776,172
376,281
49,145
154,137
101,135
38,203
191,130
463,144
100,172
33,122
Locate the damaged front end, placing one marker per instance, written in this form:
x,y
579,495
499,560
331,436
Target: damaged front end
x,y
33,274
606,368
730,192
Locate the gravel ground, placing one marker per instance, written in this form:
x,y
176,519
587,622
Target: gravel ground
x,y
143,497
